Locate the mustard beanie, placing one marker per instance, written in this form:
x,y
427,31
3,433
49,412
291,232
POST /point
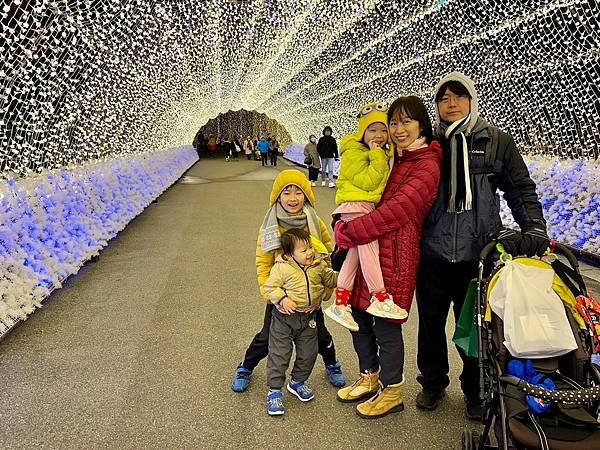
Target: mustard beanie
x,y
295,177
371,113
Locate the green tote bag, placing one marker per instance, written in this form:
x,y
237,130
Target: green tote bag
x,y
465,334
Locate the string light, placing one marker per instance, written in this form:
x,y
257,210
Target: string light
x,y
96,79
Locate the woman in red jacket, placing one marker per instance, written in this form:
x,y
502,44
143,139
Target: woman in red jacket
x,y
396,223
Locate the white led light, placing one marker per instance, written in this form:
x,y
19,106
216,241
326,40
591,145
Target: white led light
x,y
89,80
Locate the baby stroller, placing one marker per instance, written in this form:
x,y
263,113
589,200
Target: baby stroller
x,y
570,419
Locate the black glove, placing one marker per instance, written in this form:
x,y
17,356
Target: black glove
x,y
535,241
337,258
510,240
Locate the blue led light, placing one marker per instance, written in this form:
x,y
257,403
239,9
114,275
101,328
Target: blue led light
x,y
52,223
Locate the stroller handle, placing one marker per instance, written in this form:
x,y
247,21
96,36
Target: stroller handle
x,y
487,250
575,397
561,249
555,247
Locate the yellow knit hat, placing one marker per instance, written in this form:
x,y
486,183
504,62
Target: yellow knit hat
x,y
295,177
371,113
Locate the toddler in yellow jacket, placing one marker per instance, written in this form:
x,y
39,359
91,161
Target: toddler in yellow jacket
x,y
296,285
365,165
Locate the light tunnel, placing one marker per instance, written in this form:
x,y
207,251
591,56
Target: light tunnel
x,y
100,99
83,80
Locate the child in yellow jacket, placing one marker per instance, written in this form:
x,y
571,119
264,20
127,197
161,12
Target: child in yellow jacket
x,y
364,171
296,286
291,205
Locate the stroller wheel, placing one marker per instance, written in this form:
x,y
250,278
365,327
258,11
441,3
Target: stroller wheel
x,y
470,439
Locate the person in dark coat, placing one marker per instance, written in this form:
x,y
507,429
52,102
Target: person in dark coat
x,y
236,148
396,223
478,159
328,152
273,151
199,143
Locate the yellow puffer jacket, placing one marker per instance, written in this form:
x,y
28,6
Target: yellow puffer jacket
x,y
304,285
363,172
266,260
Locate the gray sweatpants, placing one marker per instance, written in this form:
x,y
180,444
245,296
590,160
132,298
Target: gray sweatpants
x,y
299,329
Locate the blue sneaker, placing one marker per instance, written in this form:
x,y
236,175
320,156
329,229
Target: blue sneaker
x,y
335,374
275,403
241,380
301,390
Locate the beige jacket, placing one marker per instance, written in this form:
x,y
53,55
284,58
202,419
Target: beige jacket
x,y
306,286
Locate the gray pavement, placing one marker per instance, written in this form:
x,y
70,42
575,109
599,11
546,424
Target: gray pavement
x,y
138,349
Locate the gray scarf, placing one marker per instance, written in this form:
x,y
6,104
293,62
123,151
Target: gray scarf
x,y
276,216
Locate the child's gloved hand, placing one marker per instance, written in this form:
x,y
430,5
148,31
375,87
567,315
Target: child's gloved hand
x,y
337,258
288,306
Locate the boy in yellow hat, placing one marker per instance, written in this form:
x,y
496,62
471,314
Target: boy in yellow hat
x,y
364,169
291,205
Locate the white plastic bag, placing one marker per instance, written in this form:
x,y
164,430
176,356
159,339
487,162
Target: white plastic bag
x,y
535,321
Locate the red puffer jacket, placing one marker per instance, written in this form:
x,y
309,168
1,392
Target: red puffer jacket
x,y
397,222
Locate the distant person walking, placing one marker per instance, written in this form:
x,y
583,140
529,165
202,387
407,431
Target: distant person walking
x,y
212,146
263,148
314,165
328,151
248,148
274,151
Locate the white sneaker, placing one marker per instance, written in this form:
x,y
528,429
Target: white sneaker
x,y
386,309
312,183
342,315
331,184
324,184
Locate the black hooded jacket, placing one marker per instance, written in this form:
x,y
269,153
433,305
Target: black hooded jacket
x,y
327,147
456,237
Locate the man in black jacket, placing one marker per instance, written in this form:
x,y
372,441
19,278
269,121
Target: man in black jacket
x,y
478,160
328,151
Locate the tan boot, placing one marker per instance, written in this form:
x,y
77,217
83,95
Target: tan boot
x,y
388,400
367,385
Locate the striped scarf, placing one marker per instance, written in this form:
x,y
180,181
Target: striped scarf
x,y
460,195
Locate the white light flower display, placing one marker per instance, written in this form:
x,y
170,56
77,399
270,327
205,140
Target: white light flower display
x,y
52,223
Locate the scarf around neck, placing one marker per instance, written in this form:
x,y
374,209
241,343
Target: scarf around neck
x,y
420,142
276,216
460,195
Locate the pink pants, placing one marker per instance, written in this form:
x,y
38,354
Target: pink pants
x,y
367,255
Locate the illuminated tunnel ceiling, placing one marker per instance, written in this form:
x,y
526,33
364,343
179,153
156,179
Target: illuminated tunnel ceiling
x,y
91,79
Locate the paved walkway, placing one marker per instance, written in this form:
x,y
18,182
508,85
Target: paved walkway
x,y
138,349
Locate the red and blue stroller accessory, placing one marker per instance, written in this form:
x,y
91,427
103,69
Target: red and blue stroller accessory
x,y
589,309
524,370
